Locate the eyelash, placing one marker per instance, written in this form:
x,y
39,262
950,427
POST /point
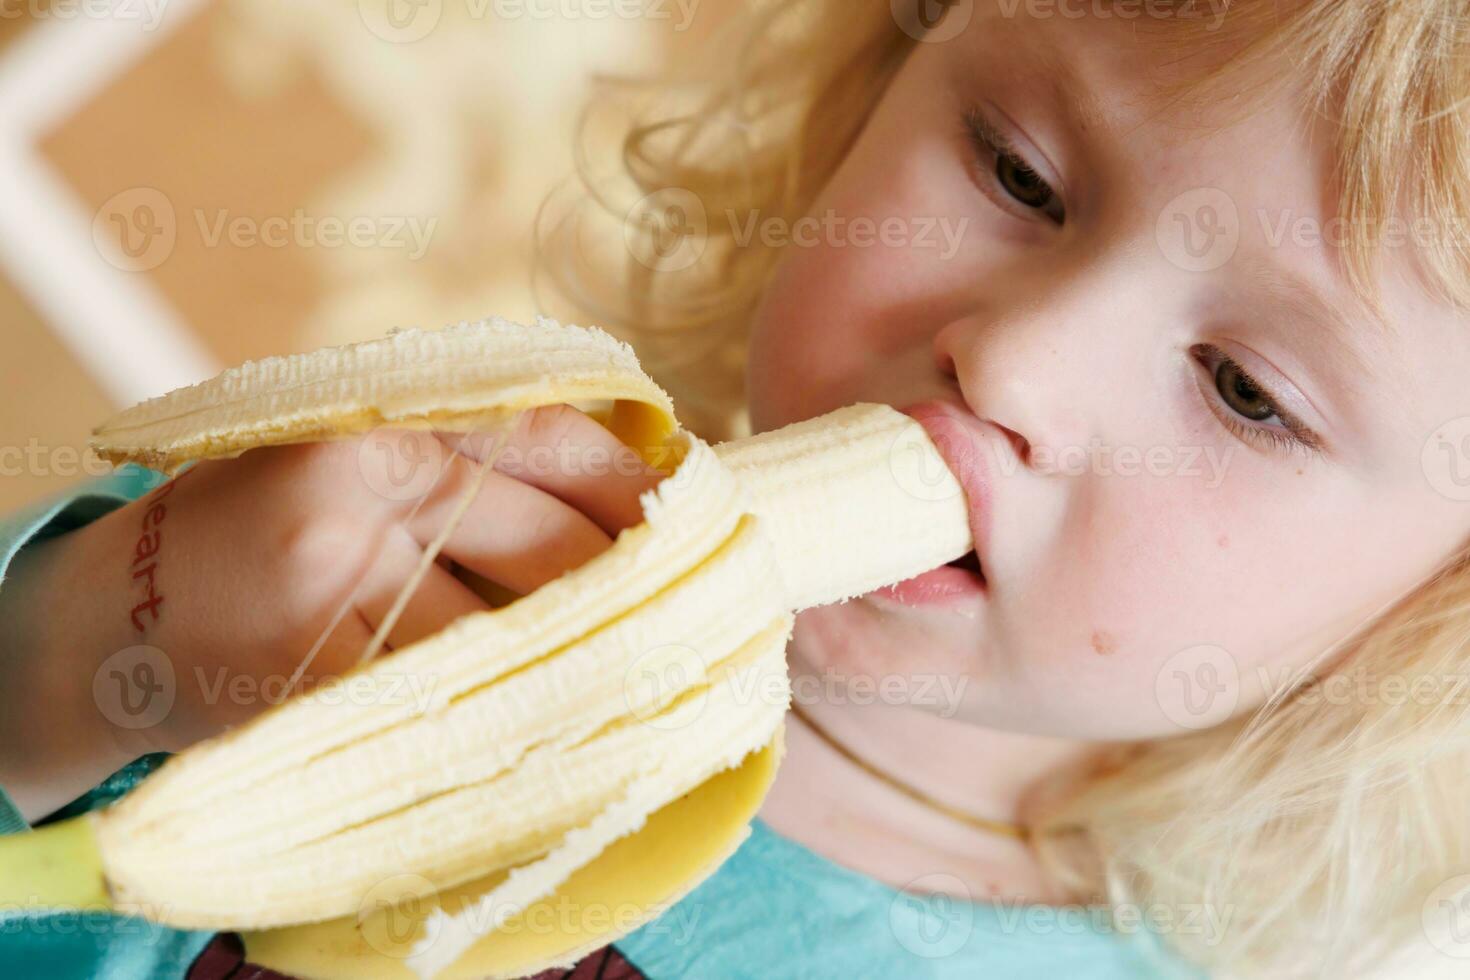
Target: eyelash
x,y
1298,437
988,141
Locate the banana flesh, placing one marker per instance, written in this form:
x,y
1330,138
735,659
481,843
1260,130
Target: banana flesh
x,y
560,726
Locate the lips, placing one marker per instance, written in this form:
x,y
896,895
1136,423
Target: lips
x,y
945,585
959,437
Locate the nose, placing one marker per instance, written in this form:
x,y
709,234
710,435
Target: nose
x,y
1043,361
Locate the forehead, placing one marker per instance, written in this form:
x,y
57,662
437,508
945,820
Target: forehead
x,y
1116,72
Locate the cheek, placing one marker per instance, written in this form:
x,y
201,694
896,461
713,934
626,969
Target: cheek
x,y
1165,606
839,309
1142,576
1125,583
794,363
832,317
835,322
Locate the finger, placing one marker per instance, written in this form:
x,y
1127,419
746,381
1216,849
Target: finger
x,y
566,453
511,533
436,601
339,650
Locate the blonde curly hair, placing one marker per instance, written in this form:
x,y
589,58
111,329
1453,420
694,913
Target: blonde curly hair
x,y
1323,827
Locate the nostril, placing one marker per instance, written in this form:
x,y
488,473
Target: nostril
x,y
1019,443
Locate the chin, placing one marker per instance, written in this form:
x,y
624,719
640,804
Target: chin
x,y
857,643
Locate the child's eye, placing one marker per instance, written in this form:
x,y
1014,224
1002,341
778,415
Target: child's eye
x,y
1244,398
1000,163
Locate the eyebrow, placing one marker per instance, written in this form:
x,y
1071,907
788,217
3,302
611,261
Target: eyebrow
x,y
1068,89
1344,323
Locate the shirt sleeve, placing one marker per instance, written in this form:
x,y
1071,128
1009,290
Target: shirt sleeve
x,y
57,515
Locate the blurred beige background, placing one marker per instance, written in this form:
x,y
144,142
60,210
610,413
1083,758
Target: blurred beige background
x,y
192,183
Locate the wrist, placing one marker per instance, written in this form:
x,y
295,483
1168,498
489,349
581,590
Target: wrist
x,y
56,737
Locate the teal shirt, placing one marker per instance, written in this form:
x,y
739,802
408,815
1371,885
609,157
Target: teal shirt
x,y
779,909
775,909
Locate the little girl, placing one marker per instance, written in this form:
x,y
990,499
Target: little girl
x,y
1185,280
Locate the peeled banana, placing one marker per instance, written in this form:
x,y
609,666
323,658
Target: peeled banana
x,y
599,744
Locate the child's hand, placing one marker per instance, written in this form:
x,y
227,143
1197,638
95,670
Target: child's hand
x,y
238,569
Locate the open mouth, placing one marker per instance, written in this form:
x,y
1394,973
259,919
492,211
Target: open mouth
x,y
940,587
970,562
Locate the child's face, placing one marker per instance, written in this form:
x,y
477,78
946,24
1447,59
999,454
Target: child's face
x,y
1149,568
